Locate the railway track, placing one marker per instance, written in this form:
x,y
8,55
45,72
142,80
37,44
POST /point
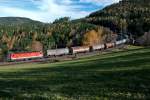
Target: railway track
x,y
64,57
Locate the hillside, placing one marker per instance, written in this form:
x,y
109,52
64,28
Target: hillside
x,y
17,21
127,16
95,78
22,34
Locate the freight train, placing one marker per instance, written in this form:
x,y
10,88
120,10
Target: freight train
x,y
63,51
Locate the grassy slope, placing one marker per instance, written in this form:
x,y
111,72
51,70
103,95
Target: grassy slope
x,y
123,75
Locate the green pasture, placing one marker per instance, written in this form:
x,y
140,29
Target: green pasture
x,y
119,75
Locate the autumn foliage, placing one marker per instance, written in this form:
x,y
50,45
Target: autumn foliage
x,y
91,37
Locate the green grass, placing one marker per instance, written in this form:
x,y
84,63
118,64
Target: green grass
x,y
118,75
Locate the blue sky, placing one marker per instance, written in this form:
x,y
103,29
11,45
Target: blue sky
x,y
49,10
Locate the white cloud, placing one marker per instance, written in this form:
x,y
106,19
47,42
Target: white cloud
x,y
49,10
17,12
100,2
58,10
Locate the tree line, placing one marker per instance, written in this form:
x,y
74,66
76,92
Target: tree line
x,y
61,33
127,16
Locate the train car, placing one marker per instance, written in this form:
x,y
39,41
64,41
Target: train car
x,y
58,52
24,56
121,42
97,47
118,42
109,45
125,40
79,49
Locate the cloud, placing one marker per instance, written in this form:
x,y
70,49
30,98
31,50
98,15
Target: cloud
x,y
65,8
17,12
100,2
49,10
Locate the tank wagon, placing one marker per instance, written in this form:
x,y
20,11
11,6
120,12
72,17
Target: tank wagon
x,y
109,45
120,42
97,47
79,49
58,52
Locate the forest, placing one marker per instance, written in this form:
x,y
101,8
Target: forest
x,y
127,16
36,36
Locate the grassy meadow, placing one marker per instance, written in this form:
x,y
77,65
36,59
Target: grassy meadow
x,y
123,75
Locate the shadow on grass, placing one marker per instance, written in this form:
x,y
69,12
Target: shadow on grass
x,y
120,77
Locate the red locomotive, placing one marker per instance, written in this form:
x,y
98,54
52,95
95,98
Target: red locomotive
x,y
24,55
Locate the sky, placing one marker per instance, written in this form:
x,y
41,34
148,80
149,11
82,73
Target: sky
x,y
49,10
